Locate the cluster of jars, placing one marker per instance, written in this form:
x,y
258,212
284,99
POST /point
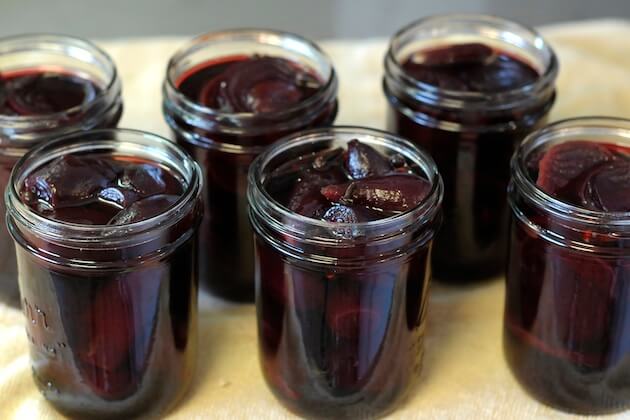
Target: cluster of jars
x,y
341,305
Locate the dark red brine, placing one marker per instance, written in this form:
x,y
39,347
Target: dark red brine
x,y
567,313
342,269
105,245
469,103
49,85
225,110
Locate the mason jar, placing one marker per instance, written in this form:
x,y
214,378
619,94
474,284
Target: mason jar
x,y
341,307
29,56
225,143
567,313
468,89
111,309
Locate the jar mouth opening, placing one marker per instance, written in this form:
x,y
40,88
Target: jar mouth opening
x,y
594,129
258,194
548,71
262,37
24,41
123,142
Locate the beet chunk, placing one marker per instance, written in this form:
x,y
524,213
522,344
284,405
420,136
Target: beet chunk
x,y
364,161
396,192
144,209
67,181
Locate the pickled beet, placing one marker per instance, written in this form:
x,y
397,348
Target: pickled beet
x,y
68,181
256,84
111,335
363,186
144,209
469,67
389,193
43,92
566,306
363,161
100,190
261,93
607,187
469,104
117,311
591,175
565,162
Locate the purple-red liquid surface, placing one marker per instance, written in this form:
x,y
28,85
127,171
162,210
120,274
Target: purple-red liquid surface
x,y
340,341
473,162
103,340
258,86
33,93
567,317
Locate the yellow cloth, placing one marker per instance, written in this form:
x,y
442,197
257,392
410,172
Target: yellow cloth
x,y
464,374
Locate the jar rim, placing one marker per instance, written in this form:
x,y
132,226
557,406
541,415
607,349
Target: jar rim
x,y
458,98
102,139
258,196
260,36
60,39
569,129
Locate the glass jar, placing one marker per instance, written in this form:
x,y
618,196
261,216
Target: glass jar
x,y
18,133
471,133
567,309
341,306
225,144
112,309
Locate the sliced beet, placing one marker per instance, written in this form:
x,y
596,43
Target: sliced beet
x,y
608,187
565,162
46,93
258,85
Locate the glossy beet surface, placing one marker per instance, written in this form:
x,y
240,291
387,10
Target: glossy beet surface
x,y
103,339
586,174
255,86
567,319
356,185
469,68
100,190
471,146
43,92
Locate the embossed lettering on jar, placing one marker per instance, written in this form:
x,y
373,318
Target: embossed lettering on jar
x,y
567,312
468,89
227,96
104,223
344,221
49,85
